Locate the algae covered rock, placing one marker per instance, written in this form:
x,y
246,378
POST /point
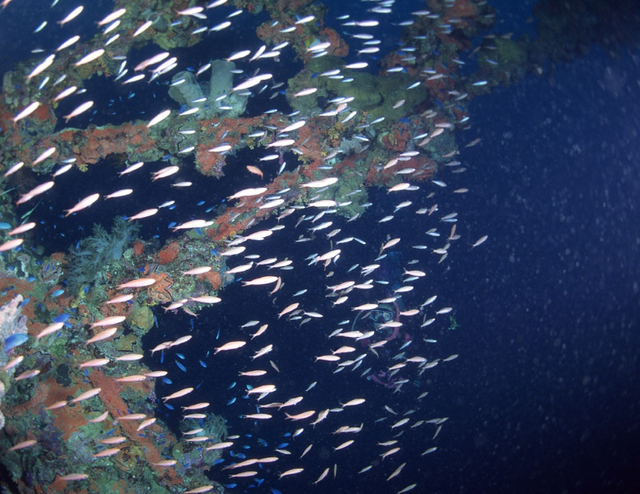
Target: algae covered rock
x,y
185,92
140,319
376,95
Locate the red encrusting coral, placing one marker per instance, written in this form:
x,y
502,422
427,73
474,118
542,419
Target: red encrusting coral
x,y
169,253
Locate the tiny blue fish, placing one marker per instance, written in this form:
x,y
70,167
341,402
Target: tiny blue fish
x,y
231,401
181,367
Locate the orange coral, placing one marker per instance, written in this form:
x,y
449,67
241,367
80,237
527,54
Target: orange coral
x,y
138,248
169,253
94,143
10,287
160,291
339,48
462,8
213,277
146,449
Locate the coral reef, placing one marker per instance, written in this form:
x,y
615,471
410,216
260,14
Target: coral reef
x,y
12,324
90,259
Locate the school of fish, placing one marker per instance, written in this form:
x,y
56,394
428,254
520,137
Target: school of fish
x,y
362,430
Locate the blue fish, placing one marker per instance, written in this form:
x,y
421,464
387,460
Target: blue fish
x,y
57,293
231,401
181,367
15,340
5,226
202,364
62,318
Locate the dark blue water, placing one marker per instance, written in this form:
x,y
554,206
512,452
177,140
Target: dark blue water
x,y
548,392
